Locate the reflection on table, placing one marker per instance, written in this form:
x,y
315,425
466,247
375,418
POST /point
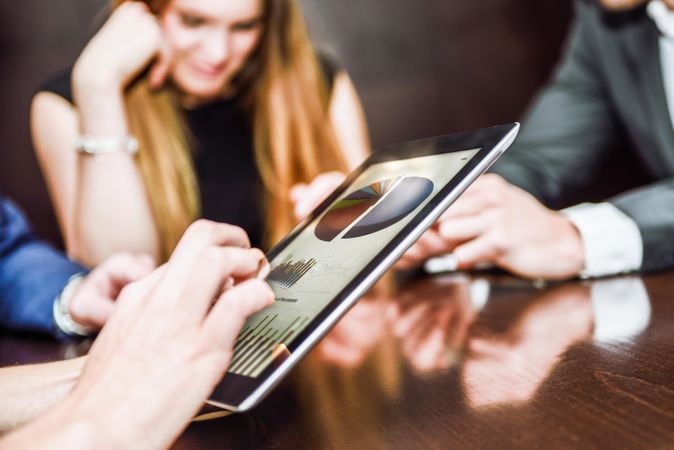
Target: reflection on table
x,y
467,361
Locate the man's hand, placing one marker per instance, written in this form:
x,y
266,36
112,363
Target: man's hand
x,y
166,345
94,299
496,222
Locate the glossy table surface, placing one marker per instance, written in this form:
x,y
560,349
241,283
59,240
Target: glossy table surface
x,y
458,361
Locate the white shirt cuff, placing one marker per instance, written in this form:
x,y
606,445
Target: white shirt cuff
x,y
611,240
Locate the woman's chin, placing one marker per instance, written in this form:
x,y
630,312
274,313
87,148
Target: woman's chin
x,y
202,90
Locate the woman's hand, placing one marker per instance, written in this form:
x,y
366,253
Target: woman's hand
x,y
306,197
126,44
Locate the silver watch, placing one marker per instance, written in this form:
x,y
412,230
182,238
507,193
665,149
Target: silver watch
x,y
62,317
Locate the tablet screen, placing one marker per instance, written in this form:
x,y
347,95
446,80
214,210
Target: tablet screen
x,y
336,246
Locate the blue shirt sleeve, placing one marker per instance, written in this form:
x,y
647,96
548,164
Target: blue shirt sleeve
x,y
32,274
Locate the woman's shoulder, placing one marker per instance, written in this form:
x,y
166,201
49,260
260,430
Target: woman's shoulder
x,y
59,84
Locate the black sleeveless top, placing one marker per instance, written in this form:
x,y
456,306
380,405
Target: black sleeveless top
x,y
229,182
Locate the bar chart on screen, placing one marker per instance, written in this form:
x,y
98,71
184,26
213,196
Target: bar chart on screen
x,y
262,340
289,271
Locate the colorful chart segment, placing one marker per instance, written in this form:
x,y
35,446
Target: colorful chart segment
x,y
385,201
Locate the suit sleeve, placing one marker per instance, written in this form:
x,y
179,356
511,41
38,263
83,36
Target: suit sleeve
x,y
571,124
32,274
651,208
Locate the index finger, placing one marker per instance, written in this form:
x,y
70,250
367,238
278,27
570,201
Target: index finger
x,y
198,237
161,67
209,276
205,233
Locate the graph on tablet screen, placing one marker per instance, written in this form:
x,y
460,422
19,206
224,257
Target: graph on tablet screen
x,y
373,207
311,270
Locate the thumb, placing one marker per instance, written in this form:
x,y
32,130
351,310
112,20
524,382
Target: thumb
x,y
90,309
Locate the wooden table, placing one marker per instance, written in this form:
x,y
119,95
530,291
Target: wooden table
x,y
467,362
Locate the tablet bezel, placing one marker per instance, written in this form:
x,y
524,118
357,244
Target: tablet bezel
x,y
240,393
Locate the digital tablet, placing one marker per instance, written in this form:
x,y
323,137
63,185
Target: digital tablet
x,y
340,250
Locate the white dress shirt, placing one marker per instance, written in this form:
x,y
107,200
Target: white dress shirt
x,y
611,240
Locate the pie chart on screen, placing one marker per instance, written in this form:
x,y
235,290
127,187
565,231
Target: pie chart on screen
x,y
373,208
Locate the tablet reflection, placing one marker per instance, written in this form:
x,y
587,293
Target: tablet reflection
x,y
357,374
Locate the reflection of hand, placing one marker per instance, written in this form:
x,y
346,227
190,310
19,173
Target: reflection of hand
x,y
349,342
428,245
306,197
432,323
125,45
166,345
94,300
496,222
513,364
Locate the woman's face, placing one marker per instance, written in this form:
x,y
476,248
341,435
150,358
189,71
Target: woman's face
x,y
210,41
629,4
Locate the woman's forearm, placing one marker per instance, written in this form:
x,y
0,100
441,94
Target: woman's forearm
x,y
111,211
28,391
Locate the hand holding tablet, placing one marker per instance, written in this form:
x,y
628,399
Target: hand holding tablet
x,y
340,250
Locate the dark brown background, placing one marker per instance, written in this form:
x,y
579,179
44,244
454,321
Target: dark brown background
x,y
422,67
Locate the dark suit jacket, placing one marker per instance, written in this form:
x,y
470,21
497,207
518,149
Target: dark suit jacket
x,y
607,90
32,274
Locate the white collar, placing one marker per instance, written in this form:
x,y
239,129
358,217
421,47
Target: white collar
x,y
663,17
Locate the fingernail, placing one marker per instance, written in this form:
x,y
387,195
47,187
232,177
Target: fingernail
x,y
263,265
263,270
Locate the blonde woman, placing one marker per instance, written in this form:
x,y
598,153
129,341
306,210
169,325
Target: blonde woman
x,y
179,109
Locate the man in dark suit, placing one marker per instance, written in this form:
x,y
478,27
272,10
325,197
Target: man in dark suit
x,y
43,291
614,85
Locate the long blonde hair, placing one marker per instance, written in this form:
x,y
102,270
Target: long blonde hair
x,y
287,99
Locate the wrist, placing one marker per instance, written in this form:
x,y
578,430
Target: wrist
x,y
571,245
86,425
91,80
128,416
77,432
61,427
99,98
